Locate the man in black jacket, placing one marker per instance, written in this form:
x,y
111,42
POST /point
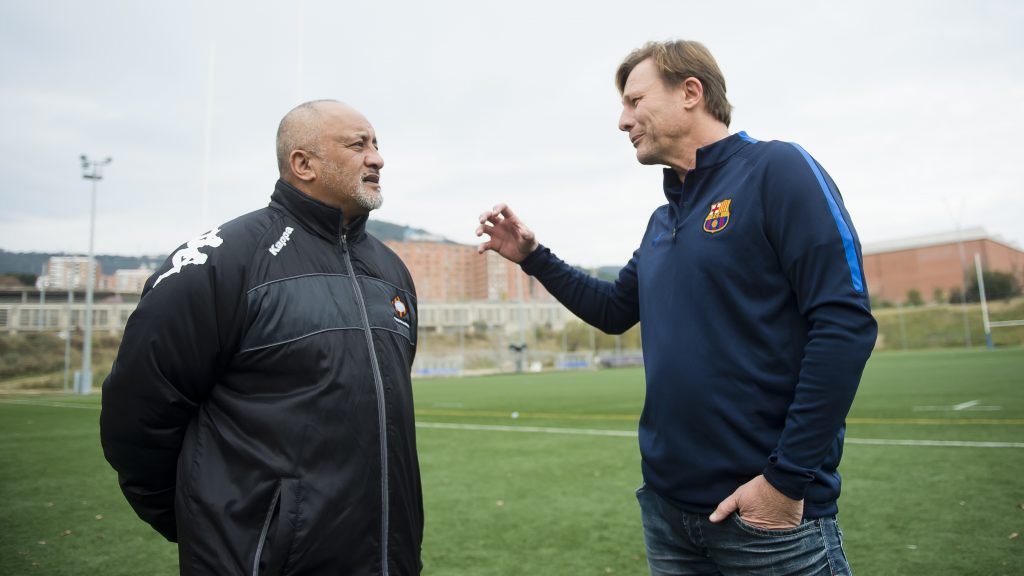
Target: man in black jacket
x,y
259,412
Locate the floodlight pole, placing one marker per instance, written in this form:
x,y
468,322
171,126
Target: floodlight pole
x,y
91,170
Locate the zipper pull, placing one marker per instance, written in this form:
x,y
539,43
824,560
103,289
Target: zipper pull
x,y
674,230
344,242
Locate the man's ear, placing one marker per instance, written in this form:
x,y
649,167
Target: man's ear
x,y
301,167
692,92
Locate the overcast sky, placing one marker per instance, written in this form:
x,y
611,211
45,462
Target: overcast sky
x,y
915,108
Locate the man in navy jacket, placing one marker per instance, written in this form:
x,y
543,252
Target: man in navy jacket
x,y
756,327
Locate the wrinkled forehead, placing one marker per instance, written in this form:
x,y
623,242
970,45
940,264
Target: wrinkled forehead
x,y
340,120
643,78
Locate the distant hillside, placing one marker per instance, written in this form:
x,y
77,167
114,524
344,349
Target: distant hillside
x,y
33,262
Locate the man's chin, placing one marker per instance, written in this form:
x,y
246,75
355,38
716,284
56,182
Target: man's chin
x,y
368,199
646,159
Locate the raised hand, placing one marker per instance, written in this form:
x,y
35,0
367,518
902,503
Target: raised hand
x,y
508,235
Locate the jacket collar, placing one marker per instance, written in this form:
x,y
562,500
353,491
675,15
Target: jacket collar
x,y
317,217
707,157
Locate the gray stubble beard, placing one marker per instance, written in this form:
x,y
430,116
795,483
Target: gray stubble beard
x,y
368,200
363,197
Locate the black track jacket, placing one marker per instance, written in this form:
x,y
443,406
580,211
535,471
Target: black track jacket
x,y
260,409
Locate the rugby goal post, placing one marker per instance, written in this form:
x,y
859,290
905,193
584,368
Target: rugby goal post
x,y
984,306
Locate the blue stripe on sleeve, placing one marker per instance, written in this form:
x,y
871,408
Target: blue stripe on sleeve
x,y
837,215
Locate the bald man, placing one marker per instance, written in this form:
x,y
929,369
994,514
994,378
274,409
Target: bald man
x,y
259,412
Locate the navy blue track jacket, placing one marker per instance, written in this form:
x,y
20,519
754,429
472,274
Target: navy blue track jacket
x,y
750,290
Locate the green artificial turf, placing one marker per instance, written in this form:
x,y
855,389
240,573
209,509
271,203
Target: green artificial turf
x,y
519,495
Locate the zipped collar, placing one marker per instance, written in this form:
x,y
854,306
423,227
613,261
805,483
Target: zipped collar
x,y
315,216
707,157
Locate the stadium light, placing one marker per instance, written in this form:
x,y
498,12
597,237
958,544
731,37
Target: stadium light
x,y
91,170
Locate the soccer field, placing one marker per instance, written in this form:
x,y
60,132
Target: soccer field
x,y
534,475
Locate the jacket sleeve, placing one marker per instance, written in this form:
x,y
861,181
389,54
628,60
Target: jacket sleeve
x,y
820,254
612,307
168,361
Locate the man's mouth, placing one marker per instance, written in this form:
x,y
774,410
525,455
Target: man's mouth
x,y
372,178
635,139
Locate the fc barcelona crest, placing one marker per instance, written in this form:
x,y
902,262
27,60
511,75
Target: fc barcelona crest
x,y
718,218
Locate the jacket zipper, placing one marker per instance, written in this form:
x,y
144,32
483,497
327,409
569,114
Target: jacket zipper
x,y
266,526
381,418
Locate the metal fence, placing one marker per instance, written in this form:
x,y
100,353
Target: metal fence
x,y
59,317
434,317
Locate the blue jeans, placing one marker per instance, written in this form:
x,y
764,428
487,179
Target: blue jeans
x,y
683,544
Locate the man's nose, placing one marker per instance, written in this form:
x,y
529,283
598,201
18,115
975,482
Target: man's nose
x,y
375,160
626,121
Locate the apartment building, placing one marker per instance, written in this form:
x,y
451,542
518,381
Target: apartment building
x,y
129,281
64,272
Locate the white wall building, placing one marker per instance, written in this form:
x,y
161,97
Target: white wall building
x,y
130,281
63,272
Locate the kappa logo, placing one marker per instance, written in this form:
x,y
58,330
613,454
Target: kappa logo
x,y
282,241
718,218
190,254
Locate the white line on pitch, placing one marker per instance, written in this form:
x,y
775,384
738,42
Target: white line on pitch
x,y
632,434
952,408
492,428
595,432
51,404
971,406
953,443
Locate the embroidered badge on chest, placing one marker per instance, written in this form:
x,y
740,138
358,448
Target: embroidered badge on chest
x,y
400,310
718,218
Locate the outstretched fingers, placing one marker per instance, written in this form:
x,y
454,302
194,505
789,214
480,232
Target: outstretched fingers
x,y
496,215
508,235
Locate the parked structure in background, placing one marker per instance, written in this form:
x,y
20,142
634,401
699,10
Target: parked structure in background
x,y
938,264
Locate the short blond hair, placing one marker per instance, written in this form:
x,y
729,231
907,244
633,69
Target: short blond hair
x,y
678,60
